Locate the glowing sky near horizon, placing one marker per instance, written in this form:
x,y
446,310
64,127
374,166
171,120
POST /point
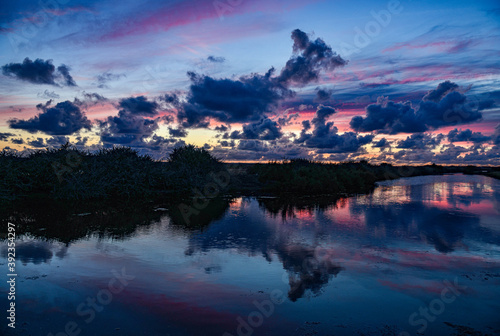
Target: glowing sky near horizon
x,y
395,49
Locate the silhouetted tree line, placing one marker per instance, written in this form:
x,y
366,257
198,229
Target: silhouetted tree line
x,y
68,173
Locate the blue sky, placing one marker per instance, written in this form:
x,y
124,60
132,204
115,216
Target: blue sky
x,y
158,74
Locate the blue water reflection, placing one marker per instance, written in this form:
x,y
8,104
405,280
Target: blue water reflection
x,y
269,266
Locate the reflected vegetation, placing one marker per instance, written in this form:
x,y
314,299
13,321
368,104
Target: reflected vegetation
x,y
408,226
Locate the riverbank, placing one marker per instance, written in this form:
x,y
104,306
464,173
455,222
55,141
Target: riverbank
x,y
68,174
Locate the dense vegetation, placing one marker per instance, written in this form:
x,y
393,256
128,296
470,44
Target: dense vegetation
x,y
121,173
309,177
117,173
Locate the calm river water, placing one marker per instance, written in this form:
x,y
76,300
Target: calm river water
x,y
417,255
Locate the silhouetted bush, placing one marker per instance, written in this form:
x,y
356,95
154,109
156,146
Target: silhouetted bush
x,y
191,166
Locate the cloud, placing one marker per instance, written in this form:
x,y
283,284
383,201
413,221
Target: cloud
x,y
248,98
221,128
64,71
106,77
322,94
63,119
4,136
286,120
451,108
130,127
443,106
382,144
253,145
388,117
310,57
37,143
420,141
325,137
139,106
227,100
16,109
48,95
90,99
135,126
264,129
19,141
57,141
39,72
496,135
216,59
467,135
442,89
177,132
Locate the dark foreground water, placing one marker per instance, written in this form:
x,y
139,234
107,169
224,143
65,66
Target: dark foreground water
x,y
417,255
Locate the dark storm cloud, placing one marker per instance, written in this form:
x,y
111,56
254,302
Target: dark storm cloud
x,y
309,59
420,141
248,98
19,141
252,145
441,107
134,126
388,117
322,94
496,136
286,120
442,90
37,143
139,106
225,143
452,108
126,129
57,141
64,71
4,136
264,129
325,137
63,119
177,132
242,100
221,128
467,135
382,143
216,59
227,100
39,72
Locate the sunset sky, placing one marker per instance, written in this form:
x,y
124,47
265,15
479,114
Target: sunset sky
x,y
387,81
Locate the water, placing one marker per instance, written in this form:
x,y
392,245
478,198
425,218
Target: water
x,y
417,255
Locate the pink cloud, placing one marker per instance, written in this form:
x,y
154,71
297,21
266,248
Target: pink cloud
x,y
441,46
